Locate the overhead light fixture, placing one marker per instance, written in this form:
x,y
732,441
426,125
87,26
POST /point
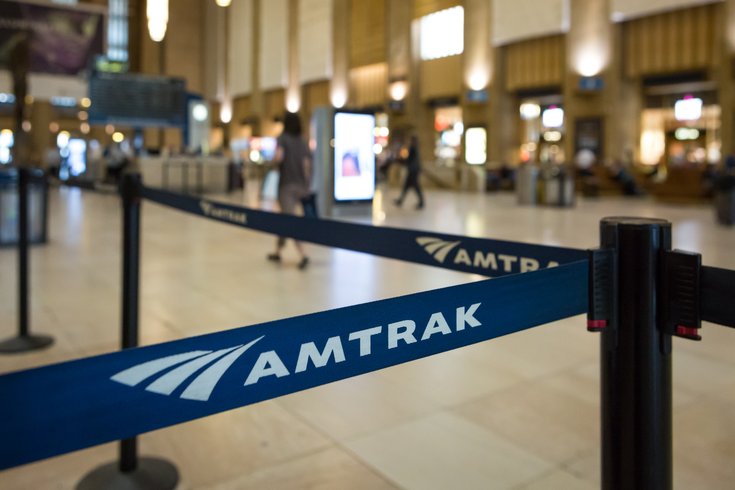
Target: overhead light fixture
x,y
223,3
398,90
530,111
199,112
157,14
225,112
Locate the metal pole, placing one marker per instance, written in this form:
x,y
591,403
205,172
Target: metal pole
x,y
130,191
24,342
636,362
131,472
23,252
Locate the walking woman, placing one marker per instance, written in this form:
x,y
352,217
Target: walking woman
x,y
294,160
413,164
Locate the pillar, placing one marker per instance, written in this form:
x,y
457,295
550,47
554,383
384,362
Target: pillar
x,y
503,139
293,90
725,71
589,50
339,85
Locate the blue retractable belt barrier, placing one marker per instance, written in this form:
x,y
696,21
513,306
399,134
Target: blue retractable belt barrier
x,y
718,295
64,407
474,255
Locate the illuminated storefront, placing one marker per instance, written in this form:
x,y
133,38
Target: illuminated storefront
x,y
680,130
542,130
449,129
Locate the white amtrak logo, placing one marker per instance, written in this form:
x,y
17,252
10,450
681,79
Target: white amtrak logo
x,y
201,387
440,249
225,214
167,374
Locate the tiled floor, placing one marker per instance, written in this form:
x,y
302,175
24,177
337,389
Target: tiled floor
x,y
520,412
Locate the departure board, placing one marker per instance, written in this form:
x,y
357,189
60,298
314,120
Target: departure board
x,y
137,100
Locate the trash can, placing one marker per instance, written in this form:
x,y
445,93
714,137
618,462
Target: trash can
x,y
37,206
526,184
559,188
725,199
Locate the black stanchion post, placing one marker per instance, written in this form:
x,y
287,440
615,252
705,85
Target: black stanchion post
x,y
131,472
636,361
130,292
24,342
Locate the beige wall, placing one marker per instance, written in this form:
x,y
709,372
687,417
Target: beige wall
x,y
624,9
322,46
425,7
367,21
525,19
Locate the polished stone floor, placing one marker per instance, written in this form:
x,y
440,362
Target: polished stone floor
x,y
520,412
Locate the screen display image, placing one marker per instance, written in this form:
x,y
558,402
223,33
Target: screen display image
x,y
77,156
475,146
268,148
137,100
354,157
61,40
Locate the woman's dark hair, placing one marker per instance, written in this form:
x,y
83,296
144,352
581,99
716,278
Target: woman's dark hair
x,y
292,124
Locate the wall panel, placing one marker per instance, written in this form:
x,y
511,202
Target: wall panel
x,y
369,85
275,103
367,32
524,19
536,63
273,46
240,52
426,7
315,40
441,78
628,9
185,43
678,41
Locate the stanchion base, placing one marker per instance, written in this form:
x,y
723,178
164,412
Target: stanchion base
x,y
26,343
151,474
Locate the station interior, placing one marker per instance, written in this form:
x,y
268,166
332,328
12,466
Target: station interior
x,y
528,121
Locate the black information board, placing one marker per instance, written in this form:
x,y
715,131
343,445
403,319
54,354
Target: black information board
x,y
137,100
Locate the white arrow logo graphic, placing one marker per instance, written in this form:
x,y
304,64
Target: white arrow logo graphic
x,y
189,363
439,249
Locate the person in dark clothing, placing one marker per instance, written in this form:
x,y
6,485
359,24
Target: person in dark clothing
x,y
413,164
294,160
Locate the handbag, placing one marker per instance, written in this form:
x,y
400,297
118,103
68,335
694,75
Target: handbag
x,y
270,185
308,203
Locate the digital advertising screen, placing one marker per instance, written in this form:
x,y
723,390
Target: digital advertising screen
x,y
354,156
475,146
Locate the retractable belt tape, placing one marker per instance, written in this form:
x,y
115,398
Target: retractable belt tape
x,y
486,257
718,296
60,408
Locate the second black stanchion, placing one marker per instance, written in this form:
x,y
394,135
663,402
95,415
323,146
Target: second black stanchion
x,y
24,341
131,472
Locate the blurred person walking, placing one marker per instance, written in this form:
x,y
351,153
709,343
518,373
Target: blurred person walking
x,y
413,165
294,162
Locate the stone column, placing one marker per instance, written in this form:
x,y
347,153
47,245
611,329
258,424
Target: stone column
x,y
398,42
503,141
339,85
477,59
624,100
293,90
725,71
257,107
589,48
41,116
477,72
